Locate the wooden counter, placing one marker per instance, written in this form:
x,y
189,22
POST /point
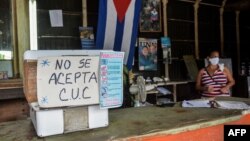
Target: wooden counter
x,y
13,105
143,123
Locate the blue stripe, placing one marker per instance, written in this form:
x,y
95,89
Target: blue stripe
x,y
134,34
86,44
101,24
118,35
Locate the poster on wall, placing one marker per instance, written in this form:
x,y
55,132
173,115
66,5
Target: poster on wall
x,y
150,16
56,18
67,81
147,54
165,42
166,48
111,79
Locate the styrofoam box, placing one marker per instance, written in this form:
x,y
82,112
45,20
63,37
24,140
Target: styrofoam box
x,y
69,119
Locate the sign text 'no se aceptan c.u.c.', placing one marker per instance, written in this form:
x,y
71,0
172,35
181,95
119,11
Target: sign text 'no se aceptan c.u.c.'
x,y
67,81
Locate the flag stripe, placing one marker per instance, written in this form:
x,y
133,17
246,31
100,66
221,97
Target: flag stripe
x,y
119,39
101,24
115,35
134,33
126,43
110,25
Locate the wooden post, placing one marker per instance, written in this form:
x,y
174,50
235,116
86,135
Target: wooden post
x,y
238,39
33,25
165,22
196,29
222,27
165,26
23,30
14,40
84,13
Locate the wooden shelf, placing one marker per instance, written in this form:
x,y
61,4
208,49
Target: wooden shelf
x,y
11,89
11,84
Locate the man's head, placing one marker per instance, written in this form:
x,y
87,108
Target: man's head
x,y
144,51
153,49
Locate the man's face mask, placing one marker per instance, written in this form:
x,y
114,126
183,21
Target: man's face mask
x,y
214,61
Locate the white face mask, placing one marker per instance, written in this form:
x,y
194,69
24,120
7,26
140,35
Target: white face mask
x,y
214,61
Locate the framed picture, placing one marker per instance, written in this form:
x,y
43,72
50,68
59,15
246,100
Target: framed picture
x,y
150,16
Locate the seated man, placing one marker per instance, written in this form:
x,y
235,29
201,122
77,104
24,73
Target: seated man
x,y
214,80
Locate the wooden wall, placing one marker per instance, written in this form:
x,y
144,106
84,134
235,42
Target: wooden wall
x,y
13,109
23,37
180,28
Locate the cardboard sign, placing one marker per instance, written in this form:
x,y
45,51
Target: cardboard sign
x,y
111,79
67,81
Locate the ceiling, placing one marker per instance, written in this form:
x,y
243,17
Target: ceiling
x,y
231,5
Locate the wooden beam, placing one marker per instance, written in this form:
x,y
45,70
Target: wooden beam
x,y
14,40
196,28
165,24
238,39
222,27
165,18
84,13
201,3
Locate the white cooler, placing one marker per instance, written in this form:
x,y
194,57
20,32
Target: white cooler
x,y
63,120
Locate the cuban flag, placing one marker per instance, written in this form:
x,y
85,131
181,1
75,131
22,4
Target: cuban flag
x,y
117,27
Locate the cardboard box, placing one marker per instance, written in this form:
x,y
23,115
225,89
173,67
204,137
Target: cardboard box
x,y
30,67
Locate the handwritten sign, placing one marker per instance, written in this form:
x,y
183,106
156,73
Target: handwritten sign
x,y
67,81
111,79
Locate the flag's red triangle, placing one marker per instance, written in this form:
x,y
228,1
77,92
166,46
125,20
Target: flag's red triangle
x,y
121,8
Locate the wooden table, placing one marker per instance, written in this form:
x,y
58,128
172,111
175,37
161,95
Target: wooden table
x,y
143,123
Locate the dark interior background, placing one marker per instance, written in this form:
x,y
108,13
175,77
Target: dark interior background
x,y
180,30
